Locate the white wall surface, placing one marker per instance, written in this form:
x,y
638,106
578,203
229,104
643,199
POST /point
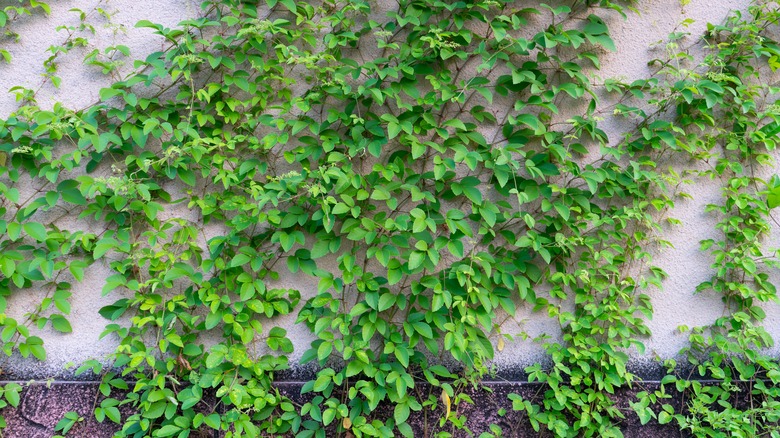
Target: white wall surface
x,y
675,305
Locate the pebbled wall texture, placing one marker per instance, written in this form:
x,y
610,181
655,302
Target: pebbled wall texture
x,y
636,40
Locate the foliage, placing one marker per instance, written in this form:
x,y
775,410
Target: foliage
x,y
430,171
731,125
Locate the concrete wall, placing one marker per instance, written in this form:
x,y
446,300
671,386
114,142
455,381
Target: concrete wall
x,y
634,38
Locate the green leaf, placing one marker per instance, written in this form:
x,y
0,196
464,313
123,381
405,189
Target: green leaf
x,y
52,197
406,430
213,319
386,301
416,259
563,210
35,230
113,414
773,198
38,352
187,176
354,367
401,413
11,394
394,276
167,430
216,357
328,416
324,350
474,194
213,421
290,4
402,354
604,41
103,246
455,247
393,129
76,269
14,230
108,93
322,382
424,329
60,324
532,122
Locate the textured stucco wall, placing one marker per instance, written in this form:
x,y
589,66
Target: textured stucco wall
x,y
79,88
675,305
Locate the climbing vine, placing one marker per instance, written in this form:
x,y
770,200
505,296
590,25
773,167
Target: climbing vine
x,y
400,180
732,128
